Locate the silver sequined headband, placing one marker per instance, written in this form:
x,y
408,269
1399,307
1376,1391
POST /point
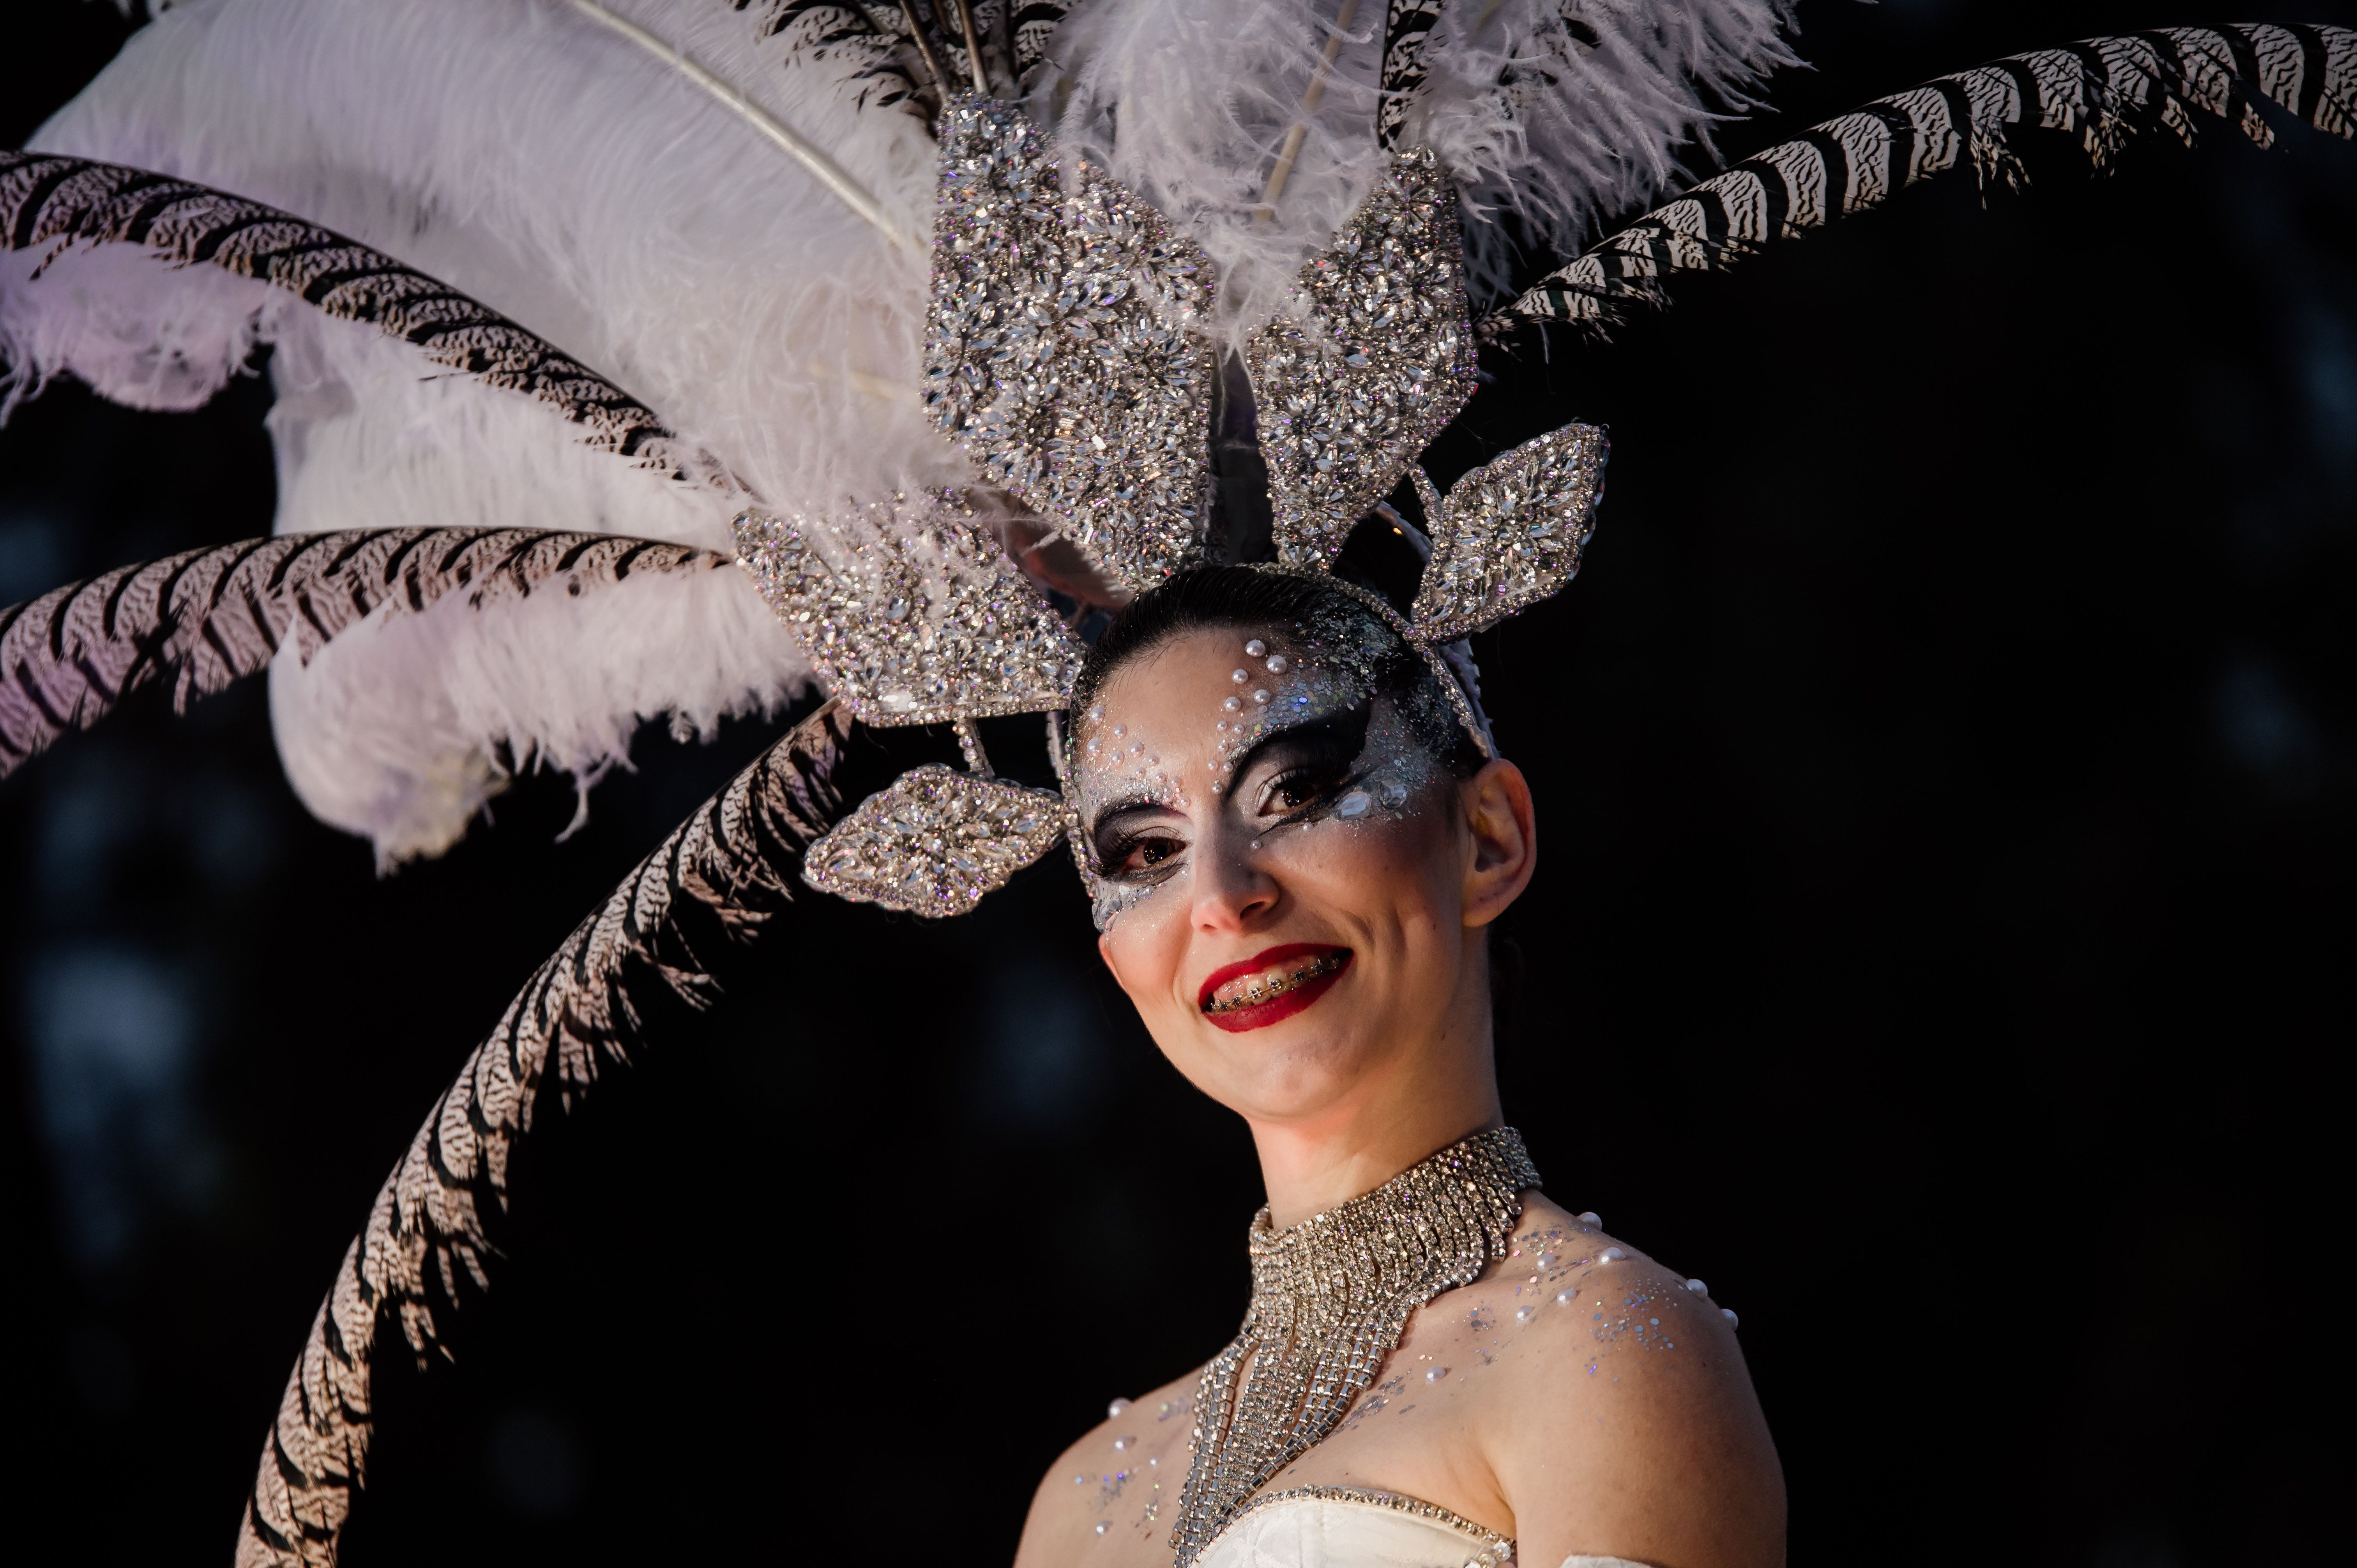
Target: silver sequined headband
x,y
1065,354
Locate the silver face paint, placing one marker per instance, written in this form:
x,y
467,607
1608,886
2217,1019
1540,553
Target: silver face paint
x,y
1303,743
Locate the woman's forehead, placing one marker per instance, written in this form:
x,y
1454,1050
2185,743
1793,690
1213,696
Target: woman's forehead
x,y
1204,670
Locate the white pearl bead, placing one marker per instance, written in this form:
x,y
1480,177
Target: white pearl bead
x,y
1233,705
1241,676
1565,1297
1524,1313
1261,697
1256,648
1614,1254
1115,1408
1103,1527
1436,1374
1590,1218
1728,1313
1697,1287
1278,663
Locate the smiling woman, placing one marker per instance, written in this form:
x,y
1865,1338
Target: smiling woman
x,y
1297,848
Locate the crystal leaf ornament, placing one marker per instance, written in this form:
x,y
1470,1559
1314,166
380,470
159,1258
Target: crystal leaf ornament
x,y
934,841
910,611
1368,359
1058,354
1509,533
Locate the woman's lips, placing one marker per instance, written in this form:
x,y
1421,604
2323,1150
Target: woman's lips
x,y
1271,985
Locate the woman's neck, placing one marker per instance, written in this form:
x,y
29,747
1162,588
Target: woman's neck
x,y
1442,1095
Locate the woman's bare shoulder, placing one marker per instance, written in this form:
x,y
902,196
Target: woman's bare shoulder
x,y
1626,1425
1109,1498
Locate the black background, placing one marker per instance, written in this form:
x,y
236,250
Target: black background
x,y
1945,763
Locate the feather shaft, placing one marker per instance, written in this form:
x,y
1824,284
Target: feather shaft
x,y
824,169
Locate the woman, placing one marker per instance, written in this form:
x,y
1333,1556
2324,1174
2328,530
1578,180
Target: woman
x,y
1297,895
1158,337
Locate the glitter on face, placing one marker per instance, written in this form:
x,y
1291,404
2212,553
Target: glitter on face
x,y
1332,665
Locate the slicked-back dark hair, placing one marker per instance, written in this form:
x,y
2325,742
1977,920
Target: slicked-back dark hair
x,y
1248,598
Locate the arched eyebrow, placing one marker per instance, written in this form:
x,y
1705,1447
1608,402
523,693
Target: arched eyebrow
x,y
1347,724
1129,805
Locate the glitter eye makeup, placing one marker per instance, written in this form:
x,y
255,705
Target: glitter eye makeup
x,y
1292,735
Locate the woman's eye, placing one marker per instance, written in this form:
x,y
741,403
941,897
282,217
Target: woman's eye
x,y
1142,854
1296,791
1302,787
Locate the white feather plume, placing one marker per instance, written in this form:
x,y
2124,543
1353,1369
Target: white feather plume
x,y
1188,102
544,166
560,175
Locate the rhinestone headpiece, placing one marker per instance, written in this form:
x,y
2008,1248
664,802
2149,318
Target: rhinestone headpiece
x,y
1067,355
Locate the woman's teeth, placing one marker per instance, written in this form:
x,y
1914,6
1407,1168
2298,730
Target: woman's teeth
x,y
1257,989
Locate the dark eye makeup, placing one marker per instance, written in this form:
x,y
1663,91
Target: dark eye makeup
x,y
1292,775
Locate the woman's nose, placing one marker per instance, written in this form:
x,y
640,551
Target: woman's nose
x,y
1231,889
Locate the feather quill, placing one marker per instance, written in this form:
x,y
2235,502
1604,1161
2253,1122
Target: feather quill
x,y
658,942
2105,89
206,618
580,187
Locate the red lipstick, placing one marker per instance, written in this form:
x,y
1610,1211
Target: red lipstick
x,y
1305,971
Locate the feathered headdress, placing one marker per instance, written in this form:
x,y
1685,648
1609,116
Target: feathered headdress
x,y
944,324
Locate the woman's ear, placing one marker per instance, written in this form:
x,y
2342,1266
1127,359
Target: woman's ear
x,y
1505,840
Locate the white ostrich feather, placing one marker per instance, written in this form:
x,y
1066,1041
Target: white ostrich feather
x,y
555,172
1189,102
563,175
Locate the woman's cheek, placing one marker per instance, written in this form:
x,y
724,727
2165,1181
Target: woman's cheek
x,y
1145,941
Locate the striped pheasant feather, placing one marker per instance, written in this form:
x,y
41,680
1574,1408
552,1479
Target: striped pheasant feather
x,y
57,202
208,617
2105,89
719,879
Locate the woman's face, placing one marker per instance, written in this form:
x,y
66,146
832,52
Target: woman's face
x,y
1291,888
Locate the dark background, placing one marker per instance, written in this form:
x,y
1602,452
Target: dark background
x,y
1946,762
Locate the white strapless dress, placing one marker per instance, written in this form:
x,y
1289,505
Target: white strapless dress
x,y
1342,1527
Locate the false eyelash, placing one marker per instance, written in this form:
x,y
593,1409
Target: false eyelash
x,y
1109,860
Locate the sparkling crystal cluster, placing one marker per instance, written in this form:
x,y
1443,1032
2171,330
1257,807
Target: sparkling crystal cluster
x,y
912,611
1058,354
1509,533
1372,356
934,841
1331,1298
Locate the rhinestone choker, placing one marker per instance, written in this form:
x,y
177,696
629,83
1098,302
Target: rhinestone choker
x,y
1331,1299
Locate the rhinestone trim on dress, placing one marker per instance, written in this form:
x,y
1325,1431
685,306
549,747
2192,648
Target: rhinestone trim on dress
x,y
1369,360
934,841
1057,349
1496,1550
1331,1299
1509,533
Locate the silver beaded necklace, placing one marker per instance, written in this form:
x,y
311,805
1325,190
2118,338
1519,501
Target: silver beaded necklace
x,y
1331,1299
